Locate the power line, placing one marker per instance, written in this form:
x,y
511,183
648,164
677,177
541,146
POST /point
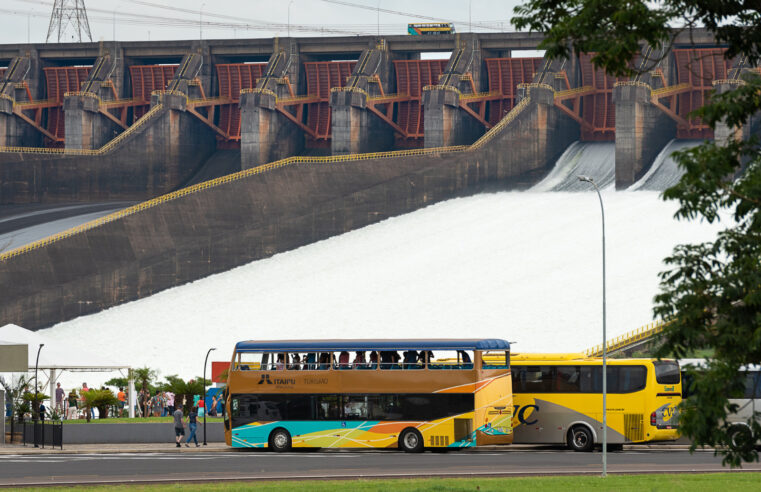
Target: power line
x,y
69,13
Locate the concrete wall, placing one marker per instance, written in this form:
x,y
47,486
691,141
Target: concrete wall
x,y
156,159
135,433
208,232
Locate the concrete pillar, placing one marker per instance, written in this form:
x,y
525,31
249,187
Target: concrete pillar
x,y
80,113
2,420
354,129
265,135
444,124
724,133
11,133
642,130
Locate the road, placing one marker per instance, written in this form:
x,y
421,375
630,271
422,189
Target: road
x,y
124,468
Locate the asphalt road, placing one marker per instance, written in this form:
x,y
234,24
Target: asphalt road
x,y
258,465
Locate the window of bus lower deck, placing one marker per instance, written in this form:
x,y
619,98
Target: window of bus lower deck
x,y
577,379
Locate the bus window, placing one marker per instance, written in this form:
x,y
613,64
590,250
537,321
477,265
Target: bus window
x,y
620,379
568,379
259,407
355,407
448,359
299,407
537,379
666,372
250,361
753,384
328,407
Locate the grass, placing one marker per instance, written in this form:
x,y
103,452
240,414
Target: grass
x,y
726,482
136,420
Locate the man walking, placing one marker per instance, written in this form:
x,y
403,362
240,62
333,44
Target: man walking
x,y
59,393
193,425
179,427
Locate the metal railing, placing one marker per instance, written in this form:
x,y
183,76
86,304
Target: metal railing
x,y
42,432
91,95
106,148
627,339
509,117
572,92
665,91
728,81
441,87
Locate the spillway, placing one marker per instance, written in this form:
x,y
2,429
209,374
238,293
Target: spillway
x,y
664,173
515,265
594,159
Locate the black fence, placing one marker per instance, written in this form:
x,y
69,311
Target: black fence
x,y
40,432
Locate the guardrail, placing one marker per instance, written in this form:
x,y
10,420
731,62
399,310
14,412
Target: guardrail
x,y
572,92
728,81
105,149
627,339
665,91
509,117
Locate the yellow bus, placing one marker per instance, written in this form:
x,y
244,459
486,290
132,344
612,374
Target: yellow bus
x,y
558,400
429,28
369,394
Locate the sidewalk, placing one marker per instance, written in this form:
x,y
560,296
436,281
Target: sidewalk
x,y
218,447
170,447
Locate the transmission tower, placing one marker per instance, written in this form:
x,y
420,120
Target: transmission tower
x,y
69,13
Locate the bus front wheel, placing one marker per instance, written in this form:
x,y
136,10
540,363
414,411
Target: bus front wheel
x,y
740,438
280,440
411,441
580,438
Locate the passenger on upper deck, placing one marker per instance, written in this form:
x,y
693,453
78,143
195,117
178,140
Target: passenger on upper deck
x,y
359,361
411,360
373,360
324,361
343,360
465,361
296,363
280,365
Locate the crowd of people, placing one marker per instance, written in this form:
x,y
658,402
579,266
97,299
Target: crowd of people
x,y
385,359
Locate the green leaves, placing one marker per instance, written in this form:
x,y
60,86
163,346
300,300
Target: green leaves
x,y
711,291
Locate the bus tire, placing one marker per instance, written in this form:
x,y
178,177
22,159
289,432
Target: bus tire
x,y
410,441
580,438
280,440
740,438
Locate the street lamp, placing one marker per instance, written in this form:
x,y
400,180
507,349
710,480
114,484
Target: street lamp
x,y
200,22
203,396
587,179
34,401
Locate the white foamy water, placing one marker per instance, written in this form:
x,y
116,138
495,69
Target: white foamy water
x,y
521,266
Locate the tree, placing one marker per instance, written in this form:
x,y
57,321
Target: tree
x,y
144,378
100,399
183,390
711,291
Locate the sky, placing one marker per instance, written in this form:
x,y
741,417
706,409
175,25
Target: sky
x,y
28,20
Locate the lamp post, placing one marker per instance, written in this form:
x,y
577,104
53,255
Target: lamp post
x,y
200,22
587,179
203,396
34,401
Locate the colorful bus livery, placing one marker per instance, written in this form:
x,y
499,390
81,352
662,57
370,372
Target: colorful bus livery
x,y
427,29
285,394
558,400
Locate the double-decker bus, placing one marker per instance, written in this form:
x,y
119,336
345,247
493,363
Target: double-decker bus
x,y
558,400
410,394
429,28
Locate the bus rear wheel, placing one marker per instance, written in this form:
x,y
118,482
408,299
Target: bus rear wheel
x,y
280,440
410,441
741,438
580,438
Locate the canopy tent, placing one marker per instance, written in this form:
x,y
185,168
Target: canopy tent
x,y
57,356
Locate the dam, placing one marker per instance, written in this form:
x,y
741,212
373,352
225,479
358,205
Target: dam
x,y
216,153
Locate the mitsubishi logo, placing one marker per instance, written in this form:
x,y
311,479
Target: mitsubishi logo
x,y
265,377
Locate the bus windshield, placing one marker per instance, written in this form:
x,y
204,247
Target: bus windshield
x,y
666,372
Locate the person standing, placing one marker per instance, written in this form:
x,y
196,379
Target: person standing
x,y
122,397
170,402
179,426
193,426
72,405
59,394
84,390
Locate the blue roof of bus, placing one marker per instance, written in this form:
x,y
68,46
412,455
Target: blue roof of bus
x,y
372,344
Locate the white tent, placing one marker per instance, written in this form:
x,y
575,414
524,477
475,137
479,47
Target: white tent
x,y
57,356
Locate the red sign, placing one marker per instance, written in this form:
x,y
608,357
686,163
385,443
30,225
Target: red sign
x,y
217,368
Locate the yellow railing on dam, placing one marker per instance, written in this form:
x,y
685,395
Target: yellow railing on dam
x,y
627,339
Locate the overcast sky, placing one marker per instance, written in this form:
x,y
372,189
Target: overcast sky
x,y
22,20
